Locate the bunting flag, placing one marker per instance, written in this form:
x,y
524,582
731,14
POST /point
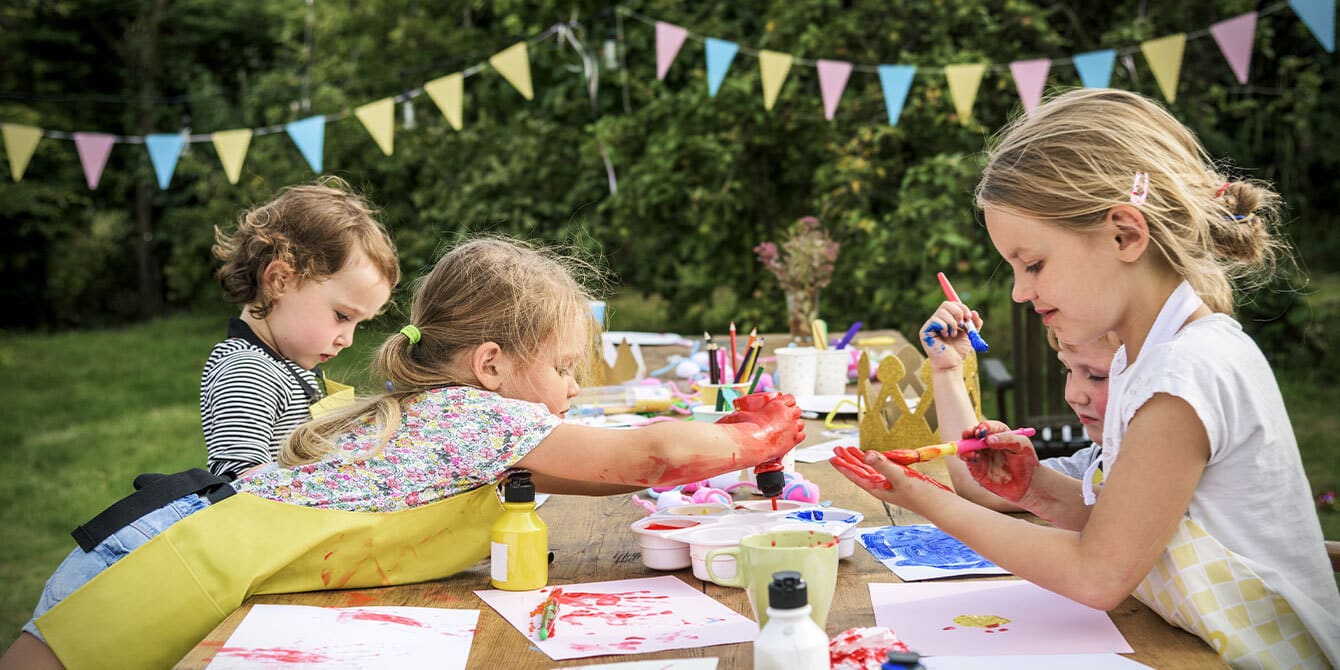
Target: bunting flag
x,y
1030,77
669,39
379,118
20,143
833,76
963,82
513,63
1319,17
164,150
773,66
93,148
720,53
231,146
896,81
1234,37
1095,67
1165,59
310,136
448,93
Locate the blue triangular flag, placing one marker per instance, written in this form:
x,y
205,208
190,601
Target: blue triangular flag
x,y
1319,17
310,136
1095,67
164,149
895,80
720,53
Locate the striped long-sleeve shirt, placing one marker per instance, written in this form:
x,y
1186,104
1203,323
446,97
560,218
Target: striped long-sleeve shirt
x,y
251,398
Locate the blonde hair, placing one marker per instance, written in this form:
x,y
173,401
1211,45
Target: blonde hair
x,y
1073,159
313,228
1110,339
487,290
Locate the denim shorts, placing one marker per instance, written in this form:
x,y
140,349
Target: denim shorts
x,y
81,566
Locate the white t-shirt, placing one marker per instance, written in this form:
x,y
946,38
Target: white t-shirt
x,y
1253,496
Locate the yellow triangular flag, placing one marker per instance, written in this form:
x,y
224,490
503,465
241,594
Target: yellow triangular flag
x,y
1165,59
448,93
513,63
963,82
773,66
20,143
379,118
231,146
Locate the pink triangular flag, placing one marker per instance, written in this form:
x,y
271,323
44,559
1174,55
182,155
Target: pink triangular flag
x,y
1235,37
669,38
832,81
94,148
1030,76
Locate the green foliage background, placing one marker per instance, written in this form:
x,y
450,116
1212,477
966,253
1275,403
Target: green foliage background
x,y
701,179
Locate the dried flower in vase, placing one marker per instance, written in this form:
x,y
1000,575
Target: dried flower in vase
x,y
802,266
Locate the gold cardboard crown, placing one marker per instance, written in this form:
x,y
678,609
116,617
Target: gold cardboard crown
x,y
623,370
886,419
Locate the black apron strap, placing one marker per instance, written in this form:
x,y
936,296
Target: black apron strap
x,y
152,492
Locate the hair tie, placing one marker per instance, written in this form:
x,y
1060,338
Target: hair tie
x,y
1223,189
412,333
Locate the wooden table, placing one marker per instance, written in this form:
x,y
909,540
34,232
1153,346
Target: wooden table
x,y
592,542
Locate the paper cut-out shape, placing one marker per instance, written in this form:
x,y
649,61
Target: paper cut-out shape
x,y
1234,37
379,118
93,148
1165,60
513,63
773,67
20,143
310,136
1319,17
669,39
623,368
833,75
1030,77
231,146
963,82
448,93
1095,67
896,81
164,150
720,53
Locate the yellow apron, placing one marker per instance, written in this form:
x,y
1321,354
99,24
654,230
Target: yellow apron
x,y
338,396
151,607
1201,586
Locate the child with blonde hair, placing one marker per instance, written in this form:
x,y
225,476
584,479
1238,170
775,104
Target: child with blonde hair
x,y
398,488
1113,218
307,267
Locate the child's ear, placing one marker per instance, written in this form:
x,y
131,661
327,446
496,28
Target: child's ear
x,y
277,278
487,364
1129,231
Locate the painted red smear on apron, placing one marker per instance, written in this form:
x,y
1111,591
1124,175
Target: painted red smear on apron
x,y
363,615
274,655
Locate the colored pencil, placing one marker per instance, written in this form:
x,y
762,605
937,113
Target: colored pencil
x,y
734,355
753,335
851,332
713,372
978,344
820,330
758,374
750,360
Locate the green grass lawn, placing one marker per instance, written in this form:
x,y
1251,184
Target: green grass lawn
x,y
84,412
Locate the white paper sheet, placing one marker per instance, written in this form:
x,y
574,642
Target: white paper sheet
x,y
358,638
1048,662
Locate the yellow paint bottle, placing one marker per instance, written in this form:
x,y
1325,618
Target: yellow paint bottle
x,y
520,556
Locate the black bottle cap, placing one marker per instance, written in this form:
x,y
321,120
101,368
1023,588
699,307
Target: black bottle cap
x,y
770,484
787,591
519,488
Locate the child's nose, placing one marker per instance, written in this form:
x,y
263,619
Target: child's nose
x,y
1022,290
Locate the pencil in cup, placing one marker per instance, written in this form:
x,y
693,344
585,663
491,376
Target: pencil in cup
x,y
910,456
978,344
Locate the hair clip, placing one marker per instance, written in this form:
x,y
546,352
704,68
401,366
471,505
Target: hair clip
x,y
1140,189
412,333
1223,189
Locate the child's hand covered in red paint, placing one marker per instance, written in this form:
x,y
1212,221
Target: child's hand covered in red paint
x,y
880,477
1006,466
765,425
944,336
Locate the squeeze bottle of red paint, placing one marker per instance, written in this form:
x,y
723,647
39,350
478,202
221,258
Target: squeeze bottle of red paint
x,y
790,640
519,559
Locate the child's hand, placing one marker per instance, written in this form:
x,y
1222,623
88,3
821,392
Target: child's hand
x,y
1006,466
768,424
880,477
944,336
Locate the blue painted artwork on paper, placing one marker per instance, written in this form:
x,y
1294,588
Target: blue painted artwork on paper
x,y
923,546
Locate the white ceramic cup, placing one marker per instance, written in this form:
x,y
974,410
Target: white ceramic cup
x,y
796,370
831,373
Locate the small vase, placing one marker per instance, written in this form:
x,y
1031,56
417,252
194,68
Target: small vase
x,y
802,308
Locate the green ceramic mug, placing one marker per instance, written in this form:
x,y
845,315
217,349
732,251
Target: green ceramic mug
x,y
813,554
